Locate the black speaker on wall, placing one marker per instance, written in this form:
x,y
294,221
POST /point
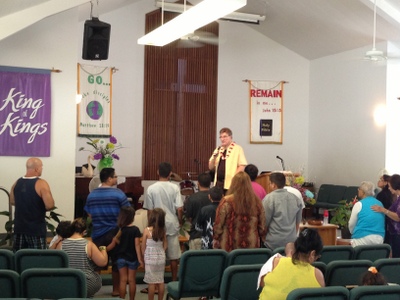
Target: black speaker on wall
x,y
96,40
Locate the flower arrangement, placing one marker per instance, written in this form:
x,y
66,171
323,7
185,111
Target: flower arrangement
x,y
102,149
342,213
300,185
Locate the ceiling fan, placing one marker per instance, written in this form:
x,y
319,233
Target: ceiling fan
x,y
374,54
198,39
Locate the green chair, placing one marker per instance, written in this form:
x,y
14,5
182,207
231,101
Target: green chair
x,y
6,259
321,266
323,293
332,253
346,272
350,193
240,282
36,258
372,252
280,250
248,256
324,192
389,268
9,284
385,292
336,195
200,273
48,283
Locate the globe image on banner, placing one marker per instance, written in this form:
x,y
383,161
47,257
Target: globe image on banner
x,y
94,110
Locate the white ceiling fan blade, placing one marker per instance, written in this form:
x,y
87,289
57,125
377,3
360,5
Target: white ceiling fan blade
x,y
198,39
375,55
186,43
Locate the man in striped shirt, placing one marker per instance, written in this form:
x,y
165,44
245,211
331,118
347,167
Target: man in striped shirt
x,y
103,205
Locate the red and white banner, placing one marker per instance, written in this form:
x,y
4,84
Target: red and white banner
x,y
266,111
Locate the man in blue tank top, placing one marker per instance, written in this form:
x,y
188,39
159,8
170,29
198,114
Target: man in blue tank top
x,y
31,197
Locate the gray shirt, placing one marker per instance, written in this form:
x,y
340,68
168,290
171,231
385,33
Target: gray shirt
x,y
283,211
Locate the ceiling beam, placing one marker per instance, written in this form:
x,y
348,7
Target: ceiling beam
x,y
385,9
17,21
234,16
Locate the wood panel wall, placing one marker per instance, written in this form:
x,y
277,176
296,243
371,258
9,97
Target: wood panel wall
x,y
180,104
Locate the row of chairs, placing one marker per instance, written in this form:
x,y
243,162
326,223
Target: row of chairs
x,y
328,254
387,292
201,272
43,283
33,258
28,258
205,273
350,272
343,252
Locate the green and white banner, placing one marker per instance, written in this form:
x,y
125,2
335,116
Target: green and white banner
x,y
94,111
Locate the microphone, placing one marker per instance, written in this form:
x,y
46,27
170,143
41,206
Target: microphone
x,y
281,159
215,153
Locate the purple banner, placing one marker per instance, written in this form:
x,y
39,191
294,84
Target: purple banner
x,y
25,112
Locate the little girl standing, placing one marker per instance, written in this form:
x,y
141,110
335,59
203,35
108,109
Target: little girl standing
x,y
128,253
154,244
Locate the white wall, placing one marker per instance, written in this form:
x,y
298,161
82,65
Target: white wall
x,y
346,147
47,44
246,54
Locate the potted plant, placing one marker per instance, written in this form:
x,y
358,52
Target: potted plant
x,y
51,216
341,216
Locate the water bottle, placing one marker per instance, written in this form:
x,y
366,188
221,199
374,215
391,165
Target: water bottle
x,y
326,217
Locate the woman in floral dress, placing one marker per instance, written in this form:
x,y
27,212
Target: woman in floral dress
x,y
240,217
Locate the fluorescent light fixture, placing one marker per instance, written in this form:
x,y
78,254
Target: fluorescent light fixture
x,y
199,15
235,16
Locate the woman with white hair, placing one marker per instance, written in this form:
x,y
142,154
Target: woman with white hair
x,y
366,226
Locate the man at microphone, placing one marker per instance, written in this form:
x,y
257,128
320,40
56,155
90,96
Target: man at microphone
x,y
226,160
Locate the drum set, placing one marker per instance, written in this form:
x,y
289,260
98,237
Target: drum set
x,y
187,186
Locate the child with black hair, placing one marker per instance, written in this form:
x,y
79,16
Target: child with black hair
x,y
63,231
129,256
206,217
373,277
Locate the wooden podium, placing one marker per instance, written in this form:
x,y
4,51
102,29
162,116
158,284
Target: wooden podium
x,y
327,232
264,181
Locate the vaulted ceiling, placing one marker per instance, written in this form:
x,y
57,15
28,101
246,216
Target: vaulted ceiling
x,y
311,28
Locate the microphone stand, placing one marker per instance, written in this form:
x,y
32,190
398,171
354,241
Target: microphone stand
x,y
283,165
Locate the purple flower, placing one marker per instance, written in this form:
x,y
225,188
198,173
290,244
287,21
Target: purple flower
x,y
115,156
98,156
113,139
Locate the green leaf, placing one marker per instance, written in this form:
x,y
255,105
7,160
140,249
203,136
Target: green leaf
x,y
8,225
5,213
51,227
